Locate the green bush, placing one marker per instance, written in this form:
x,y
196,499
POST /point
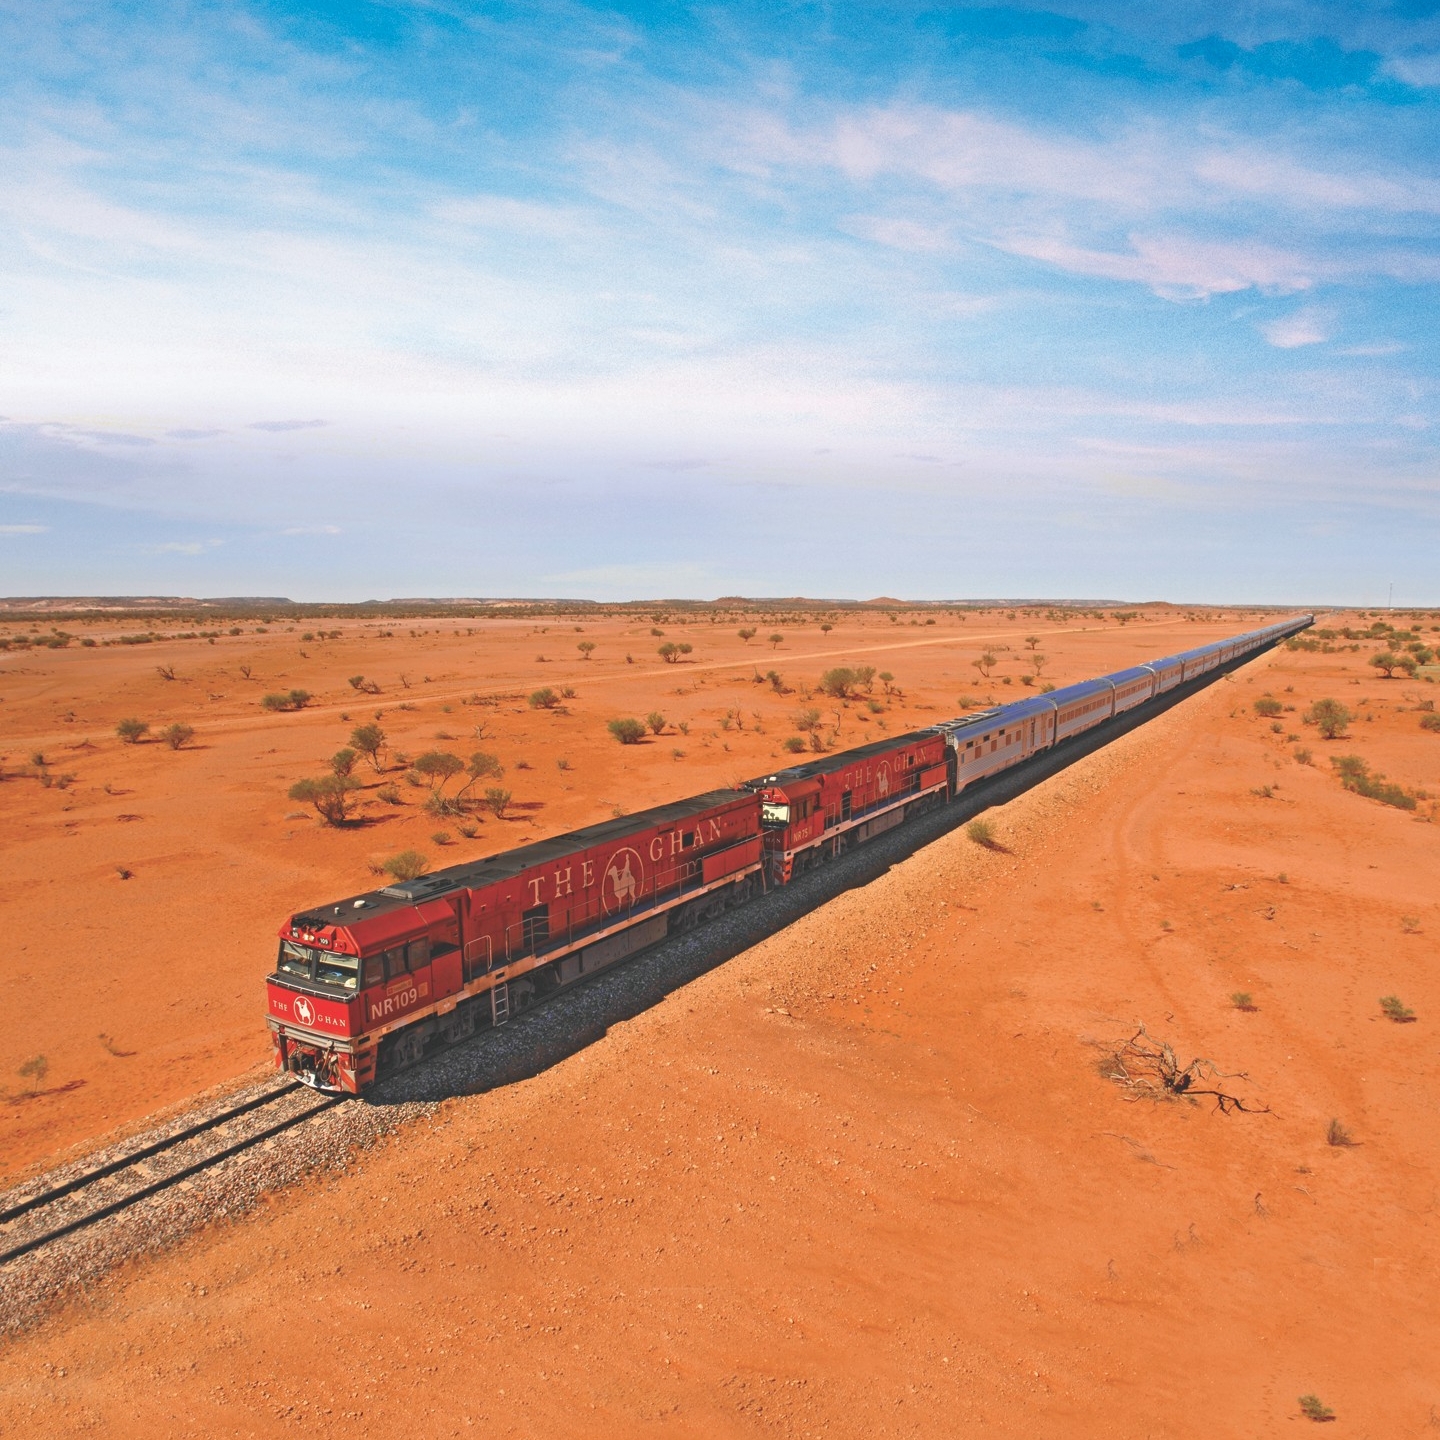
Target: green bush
x,y
793,743
627,732
544,699
407,865
331,795
497,801
1430,722
1355,774
656,721
982,832
1268,707
131,731
178,735
290,700
1329,717
369,740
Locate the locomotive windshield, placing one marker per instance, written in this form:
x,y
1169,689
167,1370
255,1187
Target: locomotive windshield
x,y
342,972
774,813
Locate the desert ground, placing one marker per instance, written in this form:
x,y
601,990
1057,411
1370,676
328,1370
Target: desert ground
x,y
875,1176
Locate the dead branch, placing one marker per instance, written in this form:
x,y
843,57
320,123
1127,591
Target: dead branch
x,y
1150,1069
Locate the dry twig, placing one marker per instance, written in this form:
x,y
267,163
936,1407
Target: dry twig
x,y
1148,1067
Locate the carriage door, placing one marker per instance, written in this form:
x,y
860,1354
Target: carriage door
x,y
845,806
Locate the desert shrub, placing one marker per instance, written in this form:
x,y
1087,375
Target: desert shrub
x,y
342,762
444,806
290,700
793,743
1430,722
1312,1407
369,740
132,731
839,682
1242,1000
1336,1134
1267,706
656,721
440,837
627,732
1329,717
1303,756
562,763
544,699
586,649
331,795
35,1069
407,865
746,635
1395,1009
438,767
497,801
670,652
982,832
1046,688
568,692
389,794
1356,775
178,735
807,720
777,683
468,830
983,662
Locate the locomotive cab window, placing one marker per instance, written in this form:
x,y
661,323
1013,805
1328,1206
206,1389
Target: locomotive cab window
x,y
417,953
374,969
340,970
774,814
295,959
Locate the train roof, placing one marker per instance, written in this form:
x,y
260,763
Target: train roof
x,y
828,764
475,874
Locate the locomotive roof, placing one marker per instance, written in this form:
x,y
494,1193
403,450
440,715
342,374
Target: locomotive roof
x,y
509,863
830,763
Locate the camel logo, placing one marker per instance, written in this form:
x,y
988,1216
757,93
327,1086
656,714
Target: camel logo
x,y
304,1010
882,781
623,878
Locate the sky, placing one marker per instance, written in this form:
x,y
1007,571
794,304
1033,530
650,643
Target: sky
x,y
454,298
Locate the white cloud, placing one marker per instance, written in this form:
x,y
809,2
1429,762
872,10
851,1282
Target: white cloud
x,y
183,547
1419,70
312,530
900,234
1290,332
24,529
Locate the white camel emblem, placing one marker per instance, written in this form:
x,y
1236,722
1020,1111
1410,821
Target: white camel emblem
x,y
624,883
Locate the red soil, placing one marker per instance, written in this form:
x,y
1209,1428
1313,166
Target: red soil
x,y
866,1178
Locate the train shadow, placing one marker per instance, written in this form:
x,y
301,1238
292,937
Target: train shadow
x,y
575,1019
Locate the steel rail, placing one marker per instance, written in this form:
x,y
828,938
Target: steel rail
x,y
165,1182
46,1197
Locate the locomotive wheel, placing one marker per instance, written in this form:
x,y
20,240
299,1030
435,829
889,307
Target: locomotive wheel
x,y
407,1050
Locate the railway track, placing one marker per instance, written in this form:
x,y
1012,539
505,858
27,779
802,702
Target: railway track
x,y
30,1221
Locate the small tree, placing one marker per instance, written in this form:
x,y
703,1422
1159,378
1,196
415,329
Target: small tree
x,y
369,740
886,680
670,652
1032,641
656,721
1329,717
438,767
746,635
983,664
1039,662
132,731
482,766
342,762
407,865
826,627
1387,661
586,648
331,796
497,801
178,735
776,639
627,732
290,700
35,1069
865,675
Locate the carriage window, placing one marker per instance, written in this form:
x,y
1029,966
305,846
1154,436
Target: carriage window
x,y
417,953
687,839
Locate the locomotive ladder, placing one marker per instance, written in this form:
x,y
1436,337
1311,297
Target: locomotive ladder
x,y
500,1003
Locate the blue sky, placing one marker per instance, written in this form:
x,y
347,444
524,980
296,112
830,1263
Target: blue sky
x,y
458,298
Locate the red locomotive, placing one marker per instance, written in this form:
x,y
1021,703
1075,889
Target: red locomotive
x,y
815,811
364,986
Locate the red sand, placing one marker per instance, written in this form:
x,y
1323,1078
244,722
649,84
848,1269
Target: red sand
x,y
910,1205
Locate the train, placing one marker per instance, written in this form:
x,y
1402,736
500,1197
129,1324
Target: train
x,y
366,986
